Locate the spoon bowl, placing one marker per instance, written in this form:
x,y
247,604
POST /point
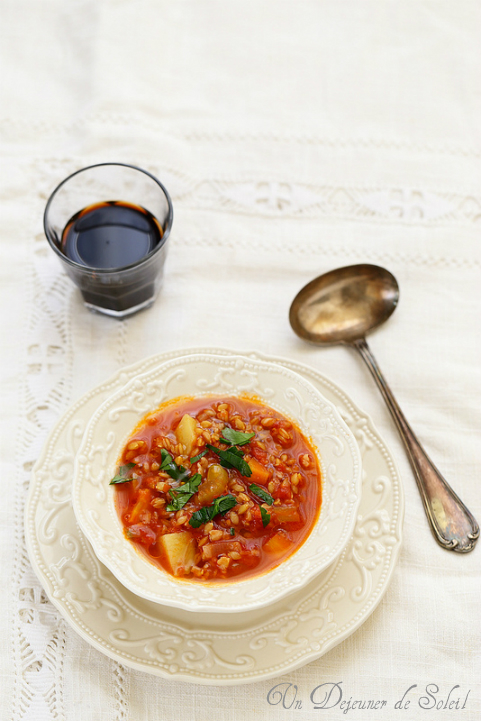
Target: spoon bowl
x,y
342,306
345,304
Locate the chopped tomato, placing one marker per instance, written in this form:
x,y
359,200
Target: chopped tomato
x,y
141,533
283,493
192,507
259,454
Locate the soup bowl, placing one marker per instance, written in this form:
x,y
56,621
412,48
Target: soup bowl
x,y
207,376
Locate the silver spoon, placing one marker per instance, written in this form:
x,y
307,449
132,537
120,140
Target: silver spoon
x,y
341,307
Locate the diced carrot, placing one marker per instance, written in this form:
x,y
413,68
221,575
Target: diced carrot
x,y
260,474
287,514
142,504
279,543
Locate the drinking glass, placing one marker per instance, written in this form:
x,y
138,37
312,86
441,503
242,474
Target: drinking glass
x,y
127,288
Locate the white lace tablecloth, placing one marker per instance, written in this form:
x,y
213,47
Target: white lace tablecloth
x,y
294,137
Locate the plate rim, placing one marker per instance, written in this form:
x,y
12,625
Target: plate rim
x,y
190,677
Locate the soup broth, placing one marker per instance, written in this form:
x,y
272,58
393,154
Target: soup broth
x,y
217,488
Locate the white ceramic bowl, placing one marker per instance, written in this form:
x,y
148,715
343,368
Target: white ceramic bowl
x,y
194,375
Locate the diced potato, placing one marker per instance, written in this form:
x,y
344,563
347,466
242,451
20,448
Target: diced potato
x,y
279,543
212,550
287,514
178,551
185,432
260,474
214,485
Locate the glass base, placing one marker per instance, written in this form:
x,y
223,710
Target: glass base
x,y
120,313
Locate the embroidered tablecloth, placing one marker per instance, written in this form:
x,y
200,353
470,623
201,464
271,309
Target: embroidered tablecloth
x,y
294,137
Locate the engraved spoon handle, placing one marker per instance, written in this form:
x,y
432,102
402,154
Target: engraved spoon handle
x,y
453,525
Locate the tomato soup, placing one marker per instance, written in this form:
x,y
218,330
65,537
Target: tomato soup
x,y
216,488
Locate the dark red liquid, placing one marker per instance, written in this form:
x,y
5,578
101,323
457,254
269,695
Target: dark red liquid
x,y
110,235
109,239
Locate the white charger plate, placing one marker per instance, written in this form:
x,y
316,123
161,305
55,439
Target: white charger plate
x,y
205,648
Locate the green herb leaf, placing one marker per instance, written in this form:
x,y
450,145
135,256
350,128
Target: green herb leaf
x,y
232,532
236,451
261,493
207,513
178,473
265,516
166,457
198,457
235,438
232,458
191,486
184,493
122,475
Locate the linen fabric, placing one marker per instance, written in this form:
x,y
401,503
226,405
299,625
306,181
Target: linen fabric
x,y
294,137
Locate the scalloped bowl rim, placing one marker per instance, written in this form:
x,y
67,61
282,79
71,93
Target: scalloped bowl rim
x,y
240,595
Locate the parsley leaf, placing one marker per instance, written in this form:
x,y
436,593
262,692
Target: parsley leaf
x,y
207,513
121,476
235,438
232,458
261,493
178,473
198,457
232,532
265,516
184,493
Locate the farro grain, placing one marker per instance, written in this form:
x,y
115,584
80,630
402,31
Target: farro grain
x,y
267,422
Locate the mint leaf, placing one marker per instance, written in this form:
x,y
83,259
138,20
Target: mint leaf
x,y
191,486
198,457
224,504
200,517
122,475
235,438
261,493
236,451
178,473
207,513
265,516
232,458
183,493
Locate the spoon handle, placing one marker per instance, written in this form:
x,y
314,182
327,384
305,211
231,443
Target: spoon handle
x,y
453,525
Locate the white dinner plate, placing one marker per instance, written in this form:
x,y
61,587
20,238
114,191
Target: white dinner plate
x,y
207,648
